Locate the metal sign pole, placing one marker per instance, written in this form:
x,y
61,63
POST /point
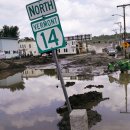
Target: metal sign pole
x,y
61,80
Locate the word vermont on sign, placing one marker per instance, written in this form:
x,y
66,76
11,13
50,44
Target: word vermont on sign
x,y
48,33
40,8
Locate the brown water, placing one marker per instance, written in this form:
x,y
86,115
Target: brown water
x,y
28,100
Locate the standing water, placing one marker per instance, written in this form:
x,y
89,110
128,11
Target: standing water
x,y
28,100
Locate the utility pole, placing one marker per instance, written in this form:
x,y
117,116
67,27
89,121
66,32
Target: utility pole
x,y
115,30
124,37
123,6
119,23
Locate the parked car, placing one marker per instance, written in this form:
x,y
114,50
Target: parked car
x,y
111,52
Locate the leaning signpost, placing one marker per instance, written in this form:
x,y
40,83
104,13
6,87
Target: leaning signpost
x,y
47,32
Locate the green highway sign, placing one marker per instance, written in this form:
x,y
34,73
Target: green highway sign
x,y
40,8
48,33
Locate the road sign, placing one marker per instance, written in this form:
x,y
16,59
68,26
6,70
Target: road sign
x,y
48,33
40,8
125,44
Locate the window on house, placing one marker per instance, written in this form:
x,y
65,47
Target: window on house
x,y
65,50
7,52
26,72
59,50
29,45
73,77
15,52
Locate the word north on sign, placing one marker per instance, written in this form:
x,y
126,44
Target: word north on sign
x,y
40,8
48,33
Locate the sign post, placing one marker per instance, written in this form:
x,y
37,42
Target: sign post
x,y
61,80
48,33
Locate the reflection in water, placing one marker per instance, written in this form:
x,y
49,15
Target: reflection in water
x,y
74,74
13,83
67,73
50,72
31,109
82,101
18,86
34,108
68,84
33,72
112,110
124,80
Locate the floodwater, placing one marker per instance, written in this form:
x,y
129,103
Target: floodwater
x,y
28,100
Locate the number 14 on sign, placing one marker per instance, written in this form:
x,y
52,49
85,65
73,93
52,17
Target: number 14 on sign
x,y
50,37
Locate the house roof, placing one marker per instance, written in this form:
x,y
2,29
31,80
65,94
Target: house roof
x,y
26,39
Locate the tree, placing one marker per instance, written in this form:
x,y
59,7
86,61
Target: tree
x,y
12,31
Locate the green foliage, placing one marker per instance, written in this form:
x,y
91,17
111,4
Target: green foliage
x,y
9,31
119,49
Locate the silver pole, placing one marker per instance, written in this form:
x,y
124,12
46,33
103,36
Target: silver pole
x,y
61,80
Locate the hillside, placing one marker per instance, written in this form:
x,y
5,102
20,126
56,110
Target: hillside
x,y
108,38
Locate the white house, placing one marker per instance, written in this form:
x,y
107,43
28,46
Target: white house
x,y
73,46
27,47
69,49
9,46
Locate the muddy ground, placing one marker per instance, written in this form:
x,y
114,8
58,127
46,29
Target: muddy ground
x,y
87,64
11,66
91,65
94,60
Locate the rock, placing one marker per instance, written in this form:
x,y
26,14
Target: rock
x,y
81,101
68,84
96,86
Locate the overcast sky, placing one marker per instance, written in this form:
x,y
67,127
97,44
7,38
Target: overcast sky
x,y
77,16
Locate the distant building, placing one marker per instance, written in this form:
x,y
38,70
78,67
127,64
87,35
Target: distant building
x,y
32,73
9,46
28,47
69,49
75,44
